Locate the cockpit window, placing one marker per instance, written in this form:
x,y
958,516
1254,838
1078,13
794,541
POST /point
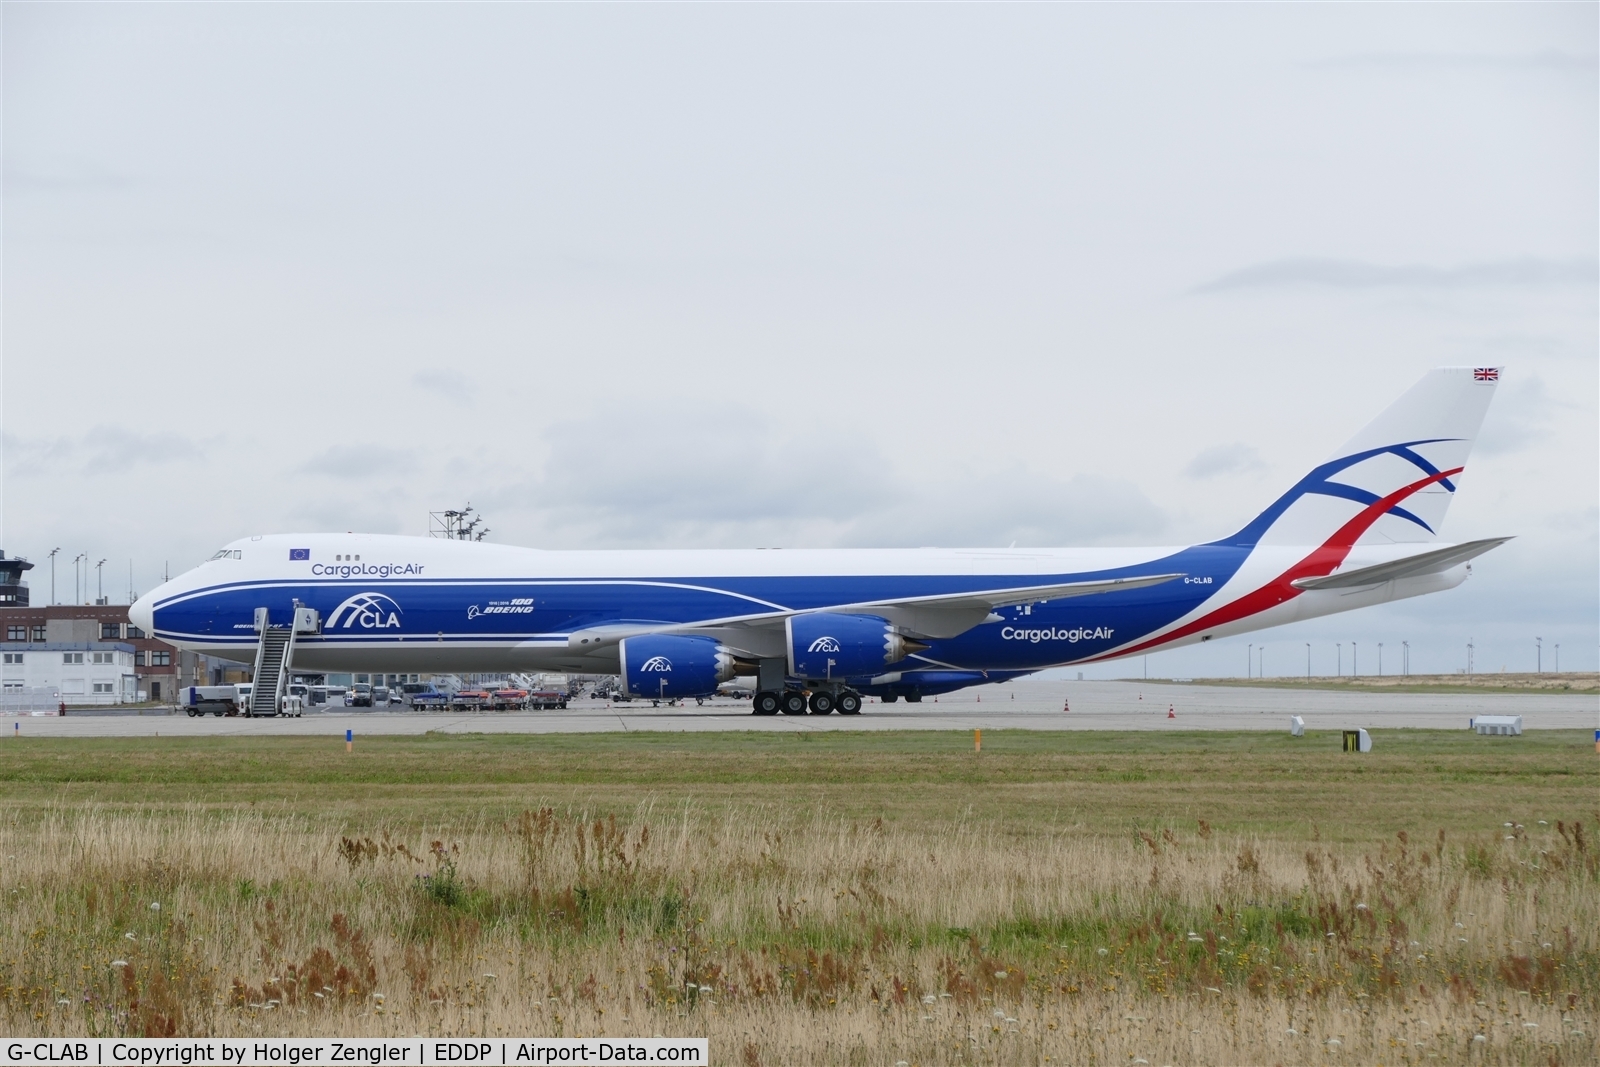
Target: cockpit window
x,y
229,553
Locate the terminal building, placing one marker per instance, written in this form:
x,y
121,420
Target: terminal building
x,y
79,672
91,653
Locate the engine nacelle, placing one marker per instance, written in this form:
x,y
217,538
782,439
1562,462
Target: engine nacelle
x,y
664,666
826,645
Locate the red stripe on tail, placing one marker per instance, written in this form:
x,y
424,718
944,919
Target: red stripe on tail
x,y
1322,561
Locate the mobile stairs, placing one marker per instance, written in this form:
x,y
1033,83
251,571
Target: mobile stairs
x,y
274,660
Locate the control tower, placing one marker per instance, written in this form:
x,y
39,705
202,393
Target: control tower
x,y
13,590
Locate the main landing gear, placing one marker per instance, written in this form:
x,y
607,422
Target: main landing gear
x,y
794,702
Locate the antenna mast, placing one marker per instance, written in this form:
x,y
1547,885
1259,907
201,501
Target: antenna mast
x,y
454,525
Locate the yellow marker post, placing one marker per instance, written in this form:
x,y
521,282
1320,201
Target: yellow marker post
x,y
977,740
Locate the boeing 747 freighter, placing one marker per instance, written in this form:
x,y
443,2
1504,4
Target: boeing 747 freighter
x,y
818,628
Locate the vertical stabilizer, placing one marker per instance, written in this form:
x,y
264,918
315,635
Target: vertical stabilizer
x,y
1393,481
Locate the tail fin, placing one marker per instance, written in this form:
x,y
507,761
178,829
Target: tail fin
x,y
1393,481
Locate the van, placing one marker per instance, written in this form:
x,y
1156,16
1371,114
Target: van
x,y
361,695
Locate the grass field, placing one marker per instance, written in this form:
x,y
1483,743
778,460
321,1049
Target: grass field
x,y
820,898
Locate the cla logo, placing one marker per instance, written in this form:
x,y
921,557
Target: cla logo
x,y
655,665
372,611
824,644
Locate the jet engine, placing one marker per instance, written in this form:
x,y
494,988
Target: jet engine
x,y
826,645
664,666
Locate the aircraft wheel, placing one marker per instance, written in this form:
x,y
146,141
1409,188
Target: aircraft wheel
x,y
766,703
913,698
821,703
890,698
794,702
849,704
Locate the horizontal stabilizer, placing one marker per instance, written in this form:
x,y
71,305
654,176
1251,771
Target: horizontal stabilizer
x,y
1441,559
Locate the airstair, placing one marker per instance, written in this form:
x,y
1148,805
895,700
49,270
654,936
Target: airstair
x,y
274,657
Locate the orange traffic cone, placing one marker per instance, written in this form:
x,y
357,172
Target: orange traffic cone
x,y
1170,713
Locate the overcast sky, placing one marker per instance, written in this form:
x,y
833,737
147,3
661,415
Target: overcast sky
x,y
799,275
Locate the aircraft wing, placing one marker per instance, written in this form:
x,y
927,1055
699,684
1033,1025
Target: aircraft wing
x,y
939,616
951,614
1441,559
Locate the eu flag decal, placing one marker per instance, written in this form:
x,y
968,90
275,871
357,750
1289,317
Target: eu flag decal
x,y
299,553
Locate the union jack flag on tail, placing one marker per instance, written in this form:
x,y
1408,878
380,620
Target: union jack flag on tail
x,y
1486,374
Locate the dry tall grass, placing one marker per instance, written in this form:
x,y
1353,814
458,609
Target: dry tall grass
x,y
807,939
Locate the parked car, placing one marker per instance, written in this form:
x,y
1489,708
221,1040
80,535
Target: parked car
x,y
426,696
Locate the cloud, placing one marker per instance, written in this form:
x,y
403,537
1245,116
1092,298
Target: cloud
x,y
726,479
1225,459
65,176
733,481
359,461
446,384
1517,419
998,508
1352,274
1548,59
354,512
102,449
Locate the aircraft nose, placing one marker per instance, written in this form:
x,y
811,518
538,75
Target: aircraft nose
x,y
142,613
